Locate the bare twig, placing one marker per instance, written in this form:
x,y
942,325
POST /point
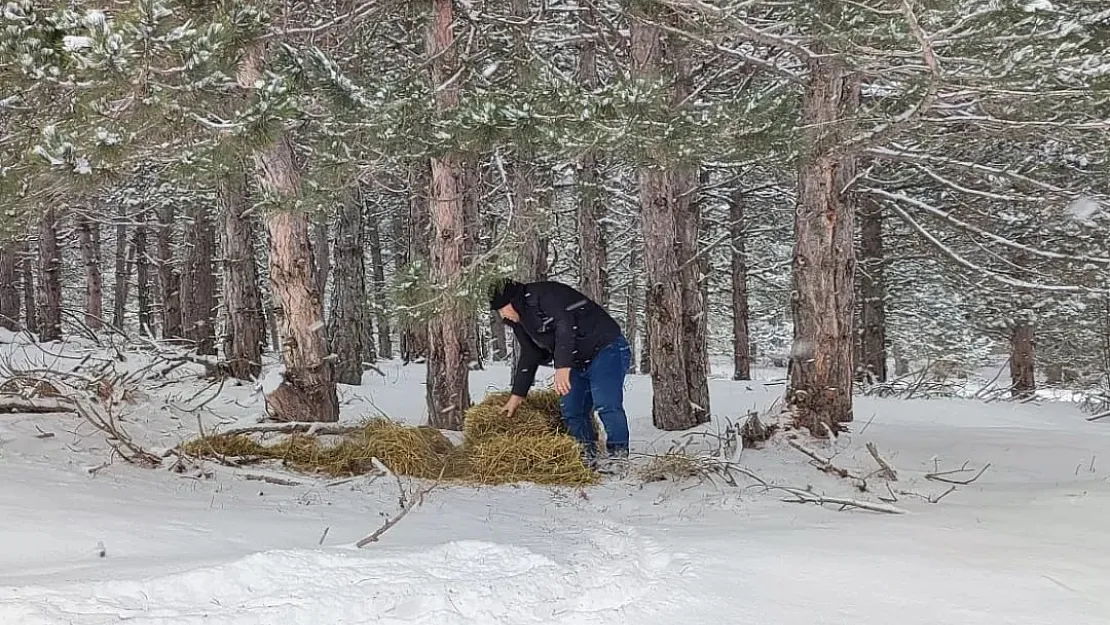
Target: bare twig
x,y
940,476
35,405
887,470
825,465
407,501
117,437
269,479
805,496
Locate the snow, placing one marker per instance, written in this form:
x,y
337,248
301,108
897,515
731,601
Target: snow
x,y
1024,544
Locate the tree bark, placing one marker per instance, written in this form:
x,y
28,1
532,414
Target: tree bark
x,y
349,323
169,278
245,324
30,309
307,391
122,270
592,252
741,339
199,281
50,279
385,336
448,346
142,273
872,340
1023,382
645,351
412,236
88,238
9,289
820,389
674,302
321,253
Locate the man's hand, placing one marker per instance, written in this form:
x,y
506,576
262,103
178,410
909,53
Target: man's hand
x,y
510,406
562,381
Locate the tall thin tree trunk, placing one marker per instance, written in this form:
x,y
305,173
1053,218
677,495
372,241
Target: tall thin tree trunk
x,y
385,337
820,389
592,253
199,282
872,283
122,273
88,238
50,279
9,286
1022,359
349,323
741,340
30,308
676,339
525,176
448,375
307,391
415,232
169,278
245,324
645,351
142,273
631,327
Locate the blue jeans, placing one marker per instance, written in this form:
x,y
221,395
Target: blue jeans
x,y
600,385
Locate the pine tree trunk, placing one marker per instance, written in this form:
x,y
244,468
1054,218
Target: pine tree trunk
x,y
1023,384
448,346
872,283
30,308
497,337
50,278
245,324
820,389
695,295
199,282
741,340
88,239
645,350
592,253
385,337
9,290
169,279
631,327
674,302
307,391
415,233
348,325
122,270
142,273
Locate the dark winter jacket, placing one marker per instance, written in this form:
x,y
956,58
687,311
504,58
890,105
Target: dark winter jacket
x,y
558,326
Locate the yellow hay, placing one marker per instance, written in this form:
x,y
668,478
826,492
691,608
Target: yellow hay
x,y
551,459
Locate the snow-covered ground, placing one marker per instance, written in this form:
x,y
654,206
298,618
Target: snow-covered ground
x,y
1024,544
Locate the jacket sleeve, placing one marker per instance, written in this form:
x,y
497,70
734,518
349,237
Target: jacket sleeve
x,y
556,305
530,358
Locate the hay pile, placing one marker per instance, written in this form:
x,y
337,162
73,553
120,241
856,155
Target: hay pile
x,y
415,451
530,446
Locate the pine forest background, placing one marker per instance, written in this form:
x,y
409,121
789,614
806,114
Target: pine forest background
x,y
872,191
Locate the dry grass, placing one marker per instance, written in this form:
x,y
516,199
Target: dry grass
x,y
551,459
529,446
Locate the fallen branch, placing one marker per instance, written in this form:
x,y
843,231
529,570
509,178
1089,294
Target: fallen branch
x,y
408,502
117,437
804,496
35,405
887,470
825,465
939,476
1099,416
317,428
280,481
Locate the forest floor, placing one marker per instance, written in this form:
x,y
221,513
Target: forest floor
x,y
91,542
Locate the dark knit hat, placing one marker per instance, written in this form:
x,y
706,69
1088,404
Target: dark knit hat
x,y
504,292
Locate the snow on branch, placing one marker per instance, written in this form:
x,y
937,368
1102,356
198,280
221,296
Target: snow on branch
x,y
998,277
932,210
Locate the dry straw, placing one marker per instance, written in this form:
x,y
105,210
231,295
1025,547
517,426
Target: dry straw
x,y
529,446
